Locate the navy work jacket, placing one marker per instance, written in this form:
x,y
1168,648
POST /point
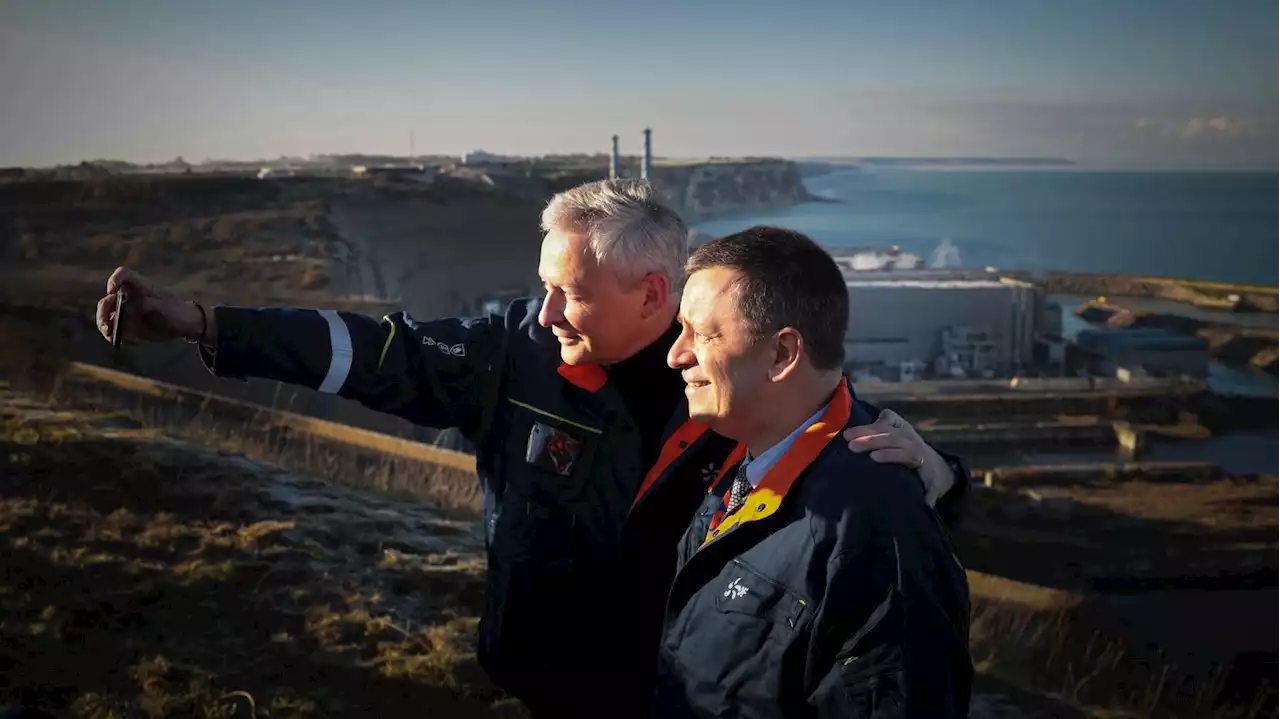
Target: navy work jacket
x,y
580,559
833,592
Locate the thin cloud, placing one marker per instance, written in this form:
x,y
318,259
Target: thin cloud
x,y
1231,127
1202,127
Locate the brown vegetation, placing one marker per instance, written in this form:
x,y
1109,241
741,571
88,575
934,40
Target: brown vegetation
x,y
1062,651
1147,595
199,232
150,577
1040,652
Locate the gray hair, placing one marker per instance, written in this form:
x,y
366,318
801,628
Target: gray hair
x,y
628,226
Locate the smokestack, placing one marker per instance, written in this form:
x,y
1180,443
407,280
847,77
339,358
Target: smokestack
x,y
613,160
646,169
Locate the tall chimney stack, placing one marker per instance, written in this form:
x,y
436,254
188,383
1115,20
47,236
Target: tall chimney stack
x,y
613,160
646,169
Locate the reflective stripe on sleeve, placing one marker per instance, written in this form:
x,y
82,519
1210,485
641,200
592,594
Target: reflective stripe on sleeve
x,y
340,353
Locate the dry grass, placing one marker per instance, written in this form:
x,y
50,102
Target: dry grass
x,y
177,587
1062,652
148,577
249,431
226,233
1040,640
453,492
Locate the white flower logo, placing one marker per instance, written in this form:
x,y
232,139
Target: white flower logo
x,y
735,590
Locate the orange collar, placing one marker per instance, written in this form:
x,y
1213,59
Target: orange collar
x,y
765,499
671,450
590,377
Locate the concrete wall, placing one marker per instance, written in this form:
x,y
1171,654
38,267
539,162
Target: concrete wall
x,y
891,322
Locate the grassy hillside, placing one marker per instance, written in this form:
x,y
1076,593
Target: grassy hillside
x,y
146,576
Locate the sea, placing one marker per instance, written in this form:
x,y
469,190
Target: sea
x,y
1209,226
1219,226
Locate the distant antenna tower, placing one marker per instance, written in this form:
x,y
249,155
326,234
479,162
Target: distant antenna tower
x,y
613,160
411,148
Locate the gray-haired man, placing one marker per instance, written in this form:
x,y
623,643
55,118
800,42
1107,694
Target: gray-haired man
x,y
575,417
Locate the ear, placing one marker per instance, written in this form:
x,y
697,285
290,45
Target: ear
x,y
657,293
788,346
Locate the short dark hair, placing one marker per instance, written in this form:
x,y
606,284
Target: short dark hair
x,y
788,280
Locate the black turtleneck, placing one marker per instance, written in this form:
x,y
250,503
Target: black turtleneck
x,y
650,389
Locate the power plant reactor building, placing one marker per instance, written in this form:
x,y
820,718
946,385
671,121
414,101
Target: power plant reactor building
x,y
901,328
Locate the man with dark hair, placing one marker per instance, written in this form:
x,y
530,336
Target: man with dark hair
x,y
812,581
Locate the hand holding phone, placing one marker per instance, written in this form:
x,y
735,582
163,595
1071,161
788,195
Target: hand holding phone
x,y
122,300
136,309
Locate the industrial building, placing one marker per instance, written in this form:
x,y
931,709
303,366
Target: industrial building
x,y
480,157
1138,351
1050,352
900,328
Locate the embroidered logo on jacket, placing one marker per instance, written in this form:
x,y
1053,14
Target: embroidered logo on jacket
x,y
457,350
709,473
735,590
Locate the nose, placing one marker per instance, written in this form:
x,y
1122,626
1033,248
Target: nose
x,y
552,312
681,353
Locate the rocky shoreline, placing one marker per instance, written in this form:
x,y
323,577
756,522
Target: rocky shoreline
x,y
1236,297
1235,346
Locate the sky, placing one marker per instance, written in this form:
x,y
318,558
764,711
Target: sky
x,y
1109,83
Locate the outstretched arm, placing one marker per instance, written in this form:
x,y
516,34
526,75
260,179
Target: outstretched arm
x,y
440,373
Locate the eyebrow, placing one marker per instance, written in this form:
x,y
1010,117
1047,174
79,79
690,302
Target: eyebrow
x,y
697,328
566,286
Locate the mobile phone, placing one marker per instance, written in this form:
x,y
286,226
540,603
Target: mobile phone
x,y
122,299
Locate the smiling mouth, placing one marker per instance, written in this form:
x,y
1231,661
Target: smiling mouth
x,y
695,384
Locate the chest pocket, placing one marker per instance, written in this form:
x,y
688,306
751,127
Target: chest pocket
x,y
548,461
733,635
557,446
751,593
